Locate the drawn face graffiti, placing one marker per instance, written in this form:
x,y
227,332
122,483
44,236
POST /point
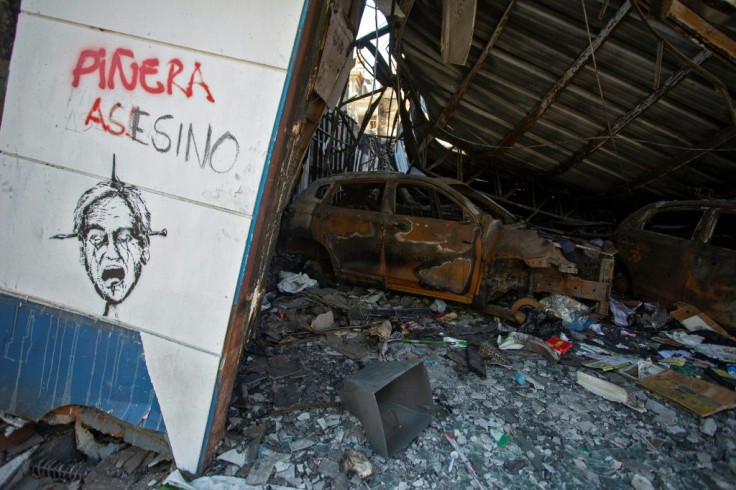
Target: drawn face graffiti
x,y
111,252
113,226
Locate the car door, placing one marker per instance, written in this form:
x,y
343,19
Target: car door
x,y
431,242
709,282
656,251
349,223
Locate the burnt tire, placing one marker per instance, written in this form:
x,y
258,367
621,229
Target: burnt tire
x,y
315,269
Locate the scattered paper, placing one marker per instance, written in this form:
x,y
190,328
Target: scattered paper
x,y
587,348
621,312
694,395
670,354
608,363
609,391
294,283
685,338
641,370
521,341
323,321
714,351
693,319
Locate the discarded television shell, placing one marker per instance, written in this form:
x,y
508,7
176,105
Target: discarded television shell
x,y
393,401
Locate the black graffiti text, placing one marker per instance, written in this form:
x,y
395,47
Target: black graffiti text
x,y
193,142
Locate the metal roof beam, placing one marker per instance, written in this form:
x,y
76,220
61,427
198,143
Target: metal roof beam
x,y
454,101
539,109
369,38
594,143
685,158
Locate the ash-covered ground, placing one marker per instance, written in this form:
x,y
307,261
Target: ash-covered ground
x,y
519,417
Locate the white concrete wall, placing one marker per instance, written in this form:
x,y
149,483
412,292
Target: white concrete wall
x,y
61,125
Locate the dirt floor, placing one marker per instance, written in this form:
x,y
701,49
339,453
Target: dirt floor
x,y
526,424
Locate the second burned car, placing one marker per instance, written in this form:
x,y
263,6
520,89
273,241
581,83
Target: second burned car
x,y
435,237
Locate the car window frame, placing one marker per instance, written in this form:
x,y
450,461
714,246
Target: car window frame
x,y
697,235
327,199
713,219
394,184
498,212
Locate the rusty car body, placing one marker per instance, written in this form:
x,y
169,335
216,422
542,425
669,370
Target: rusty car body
x,y
682,251
435,237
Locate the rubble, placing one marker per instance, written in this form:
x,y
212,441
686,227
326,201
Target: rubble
x,y
288,426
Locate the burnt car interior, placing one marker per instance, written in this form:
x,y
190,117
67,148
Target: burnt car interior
x,y
695,235
724,232
421,235
676,223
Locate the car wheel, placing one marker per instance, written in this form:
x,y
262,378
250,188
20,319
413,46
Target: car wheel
x,y
316,270
621,282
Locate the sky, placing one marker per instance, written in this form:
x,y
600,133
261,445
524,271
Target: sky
x,y
372,20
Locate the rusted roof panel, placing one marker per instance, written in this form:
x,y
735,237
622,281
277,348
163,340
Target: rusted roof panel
x,y
620,124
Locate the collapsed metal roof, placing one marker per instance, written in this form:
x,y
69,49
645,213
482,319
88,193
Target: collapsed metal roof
x,y
609,103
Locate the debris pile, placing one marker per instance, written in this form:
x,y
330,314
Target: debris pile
x,y
641,397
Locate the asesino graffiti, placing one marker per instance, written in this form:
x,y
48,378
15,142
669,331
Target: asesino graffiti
x,y
119,70
164,135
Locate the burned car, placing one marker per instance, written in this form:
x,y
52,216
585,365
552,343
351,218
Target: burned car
x,y
674,251
435,237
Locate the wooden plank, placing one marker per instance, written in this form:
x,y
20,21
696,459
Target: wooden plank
x,y
452,104
701,30
458,23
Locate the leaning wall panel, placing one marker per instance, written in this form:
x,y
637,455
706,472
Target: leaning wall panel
x,y
132,148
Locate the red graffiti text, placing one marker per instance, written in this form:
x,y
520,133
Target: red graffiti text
x,y
122,69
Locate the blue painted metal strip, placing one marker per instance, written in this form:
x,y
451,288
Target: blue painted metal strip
x,y
51,358
251,231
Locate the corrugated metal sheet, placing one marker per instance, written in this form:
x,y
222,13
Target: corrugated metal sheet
x,y
602,134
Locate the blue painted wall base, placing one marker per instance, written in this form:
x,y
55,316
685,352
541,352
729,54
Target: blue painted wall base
x,y
51,358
